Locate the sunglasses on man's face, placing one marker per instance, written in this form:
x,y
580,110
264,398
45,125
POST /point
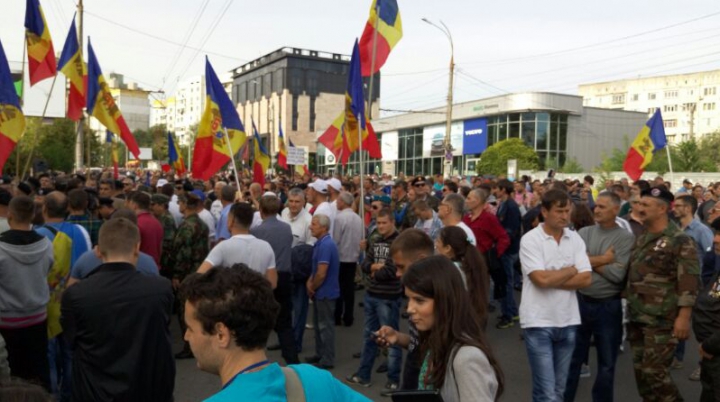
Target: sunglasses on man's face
x,y
419,184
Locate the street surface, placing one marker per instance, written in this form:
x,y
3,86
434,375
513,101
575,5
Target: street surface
x,y
193,385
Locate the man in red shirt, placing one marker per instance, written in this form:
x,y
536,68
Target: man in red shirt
x,y
151,231
485,226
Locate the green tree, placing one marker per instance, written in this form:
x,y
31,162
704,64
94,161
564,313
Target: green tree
x,y
687,158
572,166
494,159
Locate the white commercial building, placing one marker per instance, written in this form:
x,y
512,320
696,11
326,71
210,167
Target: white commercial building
x,y
183,110
132,101
689,102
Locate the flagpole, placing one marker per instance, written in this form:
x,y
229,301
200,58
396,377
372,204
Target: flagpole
x,y
672,176
35,134
232,158
81,123
369,115
22,103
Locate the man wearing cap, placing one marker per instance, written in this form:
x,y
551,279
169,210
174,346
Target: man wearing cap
x,y
422,193
661,291
159,206
318,197
401,208
189,249
334,188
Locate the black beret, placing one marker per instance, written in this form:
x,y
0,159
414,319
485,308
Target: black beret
x,y
106,201
660,192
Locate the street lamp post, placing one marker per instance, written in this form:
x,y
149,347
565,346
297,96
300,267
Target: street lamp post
x,y
447,170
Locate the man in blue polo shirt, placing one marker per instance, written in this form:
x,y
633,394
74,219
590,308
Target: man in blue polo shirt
x,y
324,289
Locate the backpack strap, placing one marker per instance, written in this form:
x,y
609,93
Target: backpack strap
x,y
293,386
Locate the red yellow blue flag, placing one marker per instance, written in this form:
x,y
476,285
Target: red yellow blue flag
x,y
211,148
72,65
386,15
102,106
261,162
41,55
174,157
282,151
12,119
650,140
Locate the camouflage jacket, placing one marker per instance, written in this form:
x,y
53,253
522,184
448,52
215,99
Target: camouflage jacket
x,y
168,225
189,247
662,276
404,216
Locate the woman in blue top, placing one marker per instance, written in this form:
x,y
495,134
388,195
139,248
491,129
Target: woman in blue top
x,y
230,313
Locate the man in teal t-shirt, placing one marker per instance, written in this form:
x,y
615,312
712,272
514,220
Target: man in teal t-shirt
x,y
230,313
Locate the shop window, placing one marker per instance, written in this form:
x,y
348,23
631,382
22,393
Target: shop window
x,y
541,135
528,133
514,130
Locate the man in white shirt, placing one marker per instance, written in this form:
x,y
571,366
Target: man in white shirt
x,y
217,206
450,213
554,264
243,247
334,187
318,196
348,233
298,218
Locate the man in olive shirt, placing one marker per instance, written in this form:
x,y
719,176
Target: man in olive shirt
x,y
661,291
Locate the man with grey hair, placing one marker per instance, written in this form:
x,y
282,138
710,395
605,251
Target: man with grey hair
x,y
324,289
347,233
608,247
298,217
451,211
217,205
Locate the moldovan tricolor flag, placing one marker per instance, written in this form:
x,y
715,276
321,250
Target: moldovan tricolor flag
x,y
261,158
386,14
174,157
12,119
41,55
102,106
282,151
72,65
211,148
650,140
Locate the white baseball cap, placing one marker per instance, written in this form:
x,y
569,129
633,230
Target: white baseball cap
x,y
334,183
319,185
161,183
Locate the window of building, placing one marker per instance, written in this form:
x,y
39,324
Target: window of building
x,y
671,94
670,123
312,113
709,106
651,110
618,99
709,91
635,97
688,107
294,123
670,108
651,96
267,85
312,83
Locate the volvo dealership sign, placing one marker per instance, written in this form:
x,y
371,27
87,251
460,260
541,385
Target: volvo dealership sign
x,y
474,136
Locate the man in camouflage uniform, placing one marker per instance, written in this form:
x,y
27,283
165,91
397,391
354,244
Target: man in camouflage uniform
x,y
159,205
404,217
661,291
189,249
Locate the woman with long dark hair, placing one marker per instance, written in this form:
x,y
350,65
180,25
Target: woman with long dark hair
x,y
457,359
453,243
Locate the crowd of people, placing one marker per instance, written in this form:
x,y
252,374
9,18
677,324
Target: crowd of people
x,y
86,259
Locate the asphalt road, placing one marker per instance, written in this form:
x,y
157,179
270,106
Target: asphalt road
x,y
193,385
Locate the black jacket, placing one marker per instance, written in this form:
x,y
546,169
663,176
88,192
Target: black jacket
x,y
706,316
117,323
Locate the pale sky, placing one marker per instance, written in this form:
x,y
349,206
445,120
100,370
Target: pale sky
x,y
500,46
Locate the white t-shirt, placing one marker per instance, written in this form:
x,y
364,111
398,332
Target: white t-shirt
x,y
247,249
326,209
216,209
207,217
550,307
470,234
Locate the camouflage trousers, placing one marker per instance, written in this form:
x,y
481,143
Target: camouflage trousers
x,y
653,349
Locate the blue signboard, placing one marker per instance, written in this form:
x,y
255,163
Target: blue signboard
x,y
474,136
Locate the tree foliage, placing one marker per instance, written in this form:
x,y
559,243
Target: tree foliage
x,y
572,166
494,159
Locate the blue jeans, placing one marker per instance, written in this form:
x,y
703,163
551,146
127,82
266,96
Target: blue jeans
x,y
300,312
379,312
549,352
507,304
60,360
602,321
